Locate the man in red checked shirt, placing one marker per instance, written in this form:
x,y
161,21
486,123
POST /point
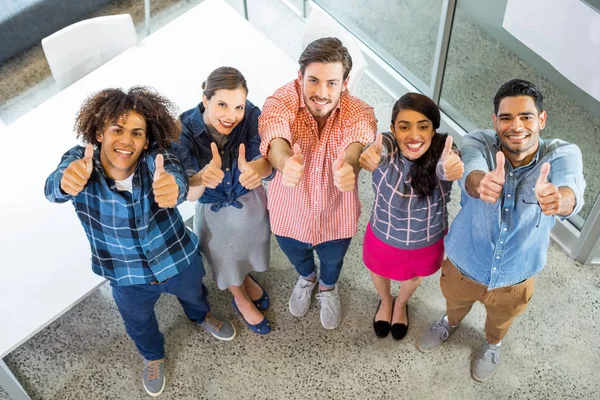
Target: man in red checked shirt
x,y
313,132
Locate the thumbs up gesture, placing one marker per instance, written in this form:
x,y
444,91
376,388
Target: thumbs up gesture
x,y
490,187
451,162
548,196
78,173
293,168
250,179
371,157
165,188
343,174
212,175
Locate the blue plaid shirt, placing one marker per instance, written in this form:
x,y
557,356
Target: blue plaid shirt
x,y
133,240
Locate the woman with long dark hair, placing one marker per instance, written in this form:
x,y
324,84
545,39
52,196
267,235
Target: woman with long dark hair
x,y
413,168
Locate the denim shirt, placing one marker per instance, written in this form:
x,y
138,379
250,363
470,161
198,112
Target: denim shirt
x,y
193,149
503,243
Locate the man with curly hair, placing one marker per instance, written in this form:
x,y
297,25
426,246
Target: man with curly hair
x,y
124,186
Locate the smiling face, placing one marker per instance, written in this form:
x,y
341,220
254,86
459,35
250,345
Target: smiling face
x,y
518,125
121,145
413,132
322,86
225,109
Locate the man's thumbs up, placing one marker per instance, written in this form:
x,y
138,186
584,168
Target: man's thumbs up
x,y
451,163
165,188
77,174
371,157
343,174
490,186
548,196
159,162
293,168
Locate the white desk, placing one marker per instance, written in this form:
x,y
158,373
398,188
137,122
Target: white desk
x,y
45,254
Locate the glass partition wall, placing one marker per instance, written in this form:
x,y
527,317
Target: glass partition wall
x,y
459,52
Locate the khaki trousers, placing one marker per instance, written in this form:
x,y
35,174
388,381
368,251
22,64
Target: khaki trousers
x,y
503,305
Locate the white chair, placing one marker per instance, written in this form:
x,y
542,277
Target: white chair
x,y
320,24
78,49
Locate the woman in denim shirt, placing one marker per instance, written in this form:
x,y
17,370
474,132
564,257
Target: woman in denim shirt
x,y
219,147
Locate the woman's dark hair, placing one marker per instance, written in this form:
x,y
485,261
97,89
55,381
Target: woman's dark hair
x,y
107,106
519,87
423,178
326,50
227,78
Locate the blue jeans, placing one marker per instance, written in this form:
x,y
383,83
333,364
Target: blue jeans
x,y
331,254
136,305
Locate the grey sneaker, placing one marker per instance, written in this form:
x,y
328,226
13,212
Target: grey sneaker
x,y
331,308
487,363
435,336
218,326
153,377
301,296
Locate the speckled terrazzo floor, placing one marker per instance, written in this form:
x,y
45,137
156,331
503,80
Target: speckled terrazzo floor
x,y
552,351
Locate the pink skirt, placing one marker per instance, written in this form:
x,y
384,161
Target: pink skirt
x,y
399,264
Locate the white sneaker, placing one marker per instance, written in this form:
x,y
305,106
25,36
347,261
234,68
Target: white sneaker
x,y
301,296
331,308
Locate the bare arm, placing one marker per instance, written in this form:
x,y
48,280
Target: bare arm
x,y
279,152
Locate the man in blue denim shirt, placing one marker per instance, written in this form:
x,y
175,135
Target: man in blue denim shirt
x,y
498,241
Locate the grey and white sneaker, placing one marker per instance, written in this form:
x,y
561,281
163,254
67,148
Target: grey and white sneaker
x,y
301,296
218,326
153,377
437,334
331,308
487,363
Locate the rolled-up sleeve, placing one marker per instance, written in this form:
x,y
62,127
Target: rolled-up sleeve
x,y
184,149
274,122
475,156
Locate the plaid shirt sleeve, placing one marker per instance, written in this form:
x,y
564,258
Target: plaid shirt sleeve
x,y
362,125
277,114
172,166
52,188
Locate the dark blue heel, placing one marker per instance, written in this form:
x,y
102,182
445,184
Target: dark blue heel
x,y
263,303
262,328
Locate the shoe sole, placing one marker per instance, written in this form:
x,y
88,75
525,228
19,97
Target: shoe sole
x,y
480,379
155,394
422,350
228,339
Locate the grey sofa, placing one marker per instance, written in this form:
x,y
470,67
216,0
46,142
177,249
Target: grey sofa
x,y
24,23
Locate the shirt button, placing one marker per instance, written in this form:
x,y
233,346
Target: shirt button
x,y
226,169
508,195
497,258
229,183
496,268
511,174
505,229
506,209
501,242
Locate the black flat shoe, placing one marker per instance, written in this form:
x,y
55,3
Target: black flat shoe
x,y
381,328
399,330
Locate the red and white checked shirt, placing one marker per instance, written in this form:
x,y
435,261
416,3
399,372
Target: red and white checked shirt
x,y
315,211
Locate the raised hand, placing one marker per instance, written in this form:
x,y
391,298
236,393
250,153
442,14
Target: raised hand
x,y
293,168
490,186
548,196
343,174
451,162
371,157
249,178
78,173
165,188
212,175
